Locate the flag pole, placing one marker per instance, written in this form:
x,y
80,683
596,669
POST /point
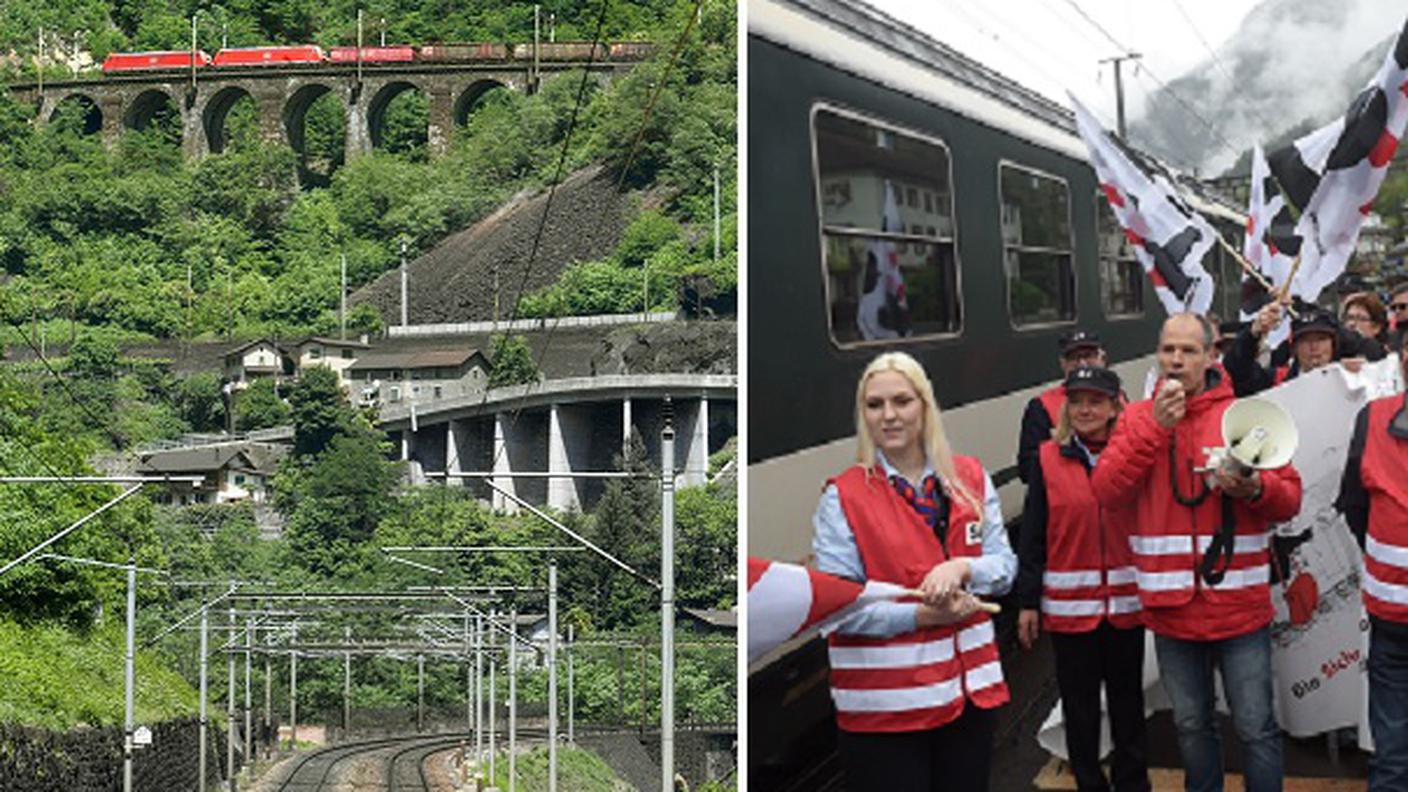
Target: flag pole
x,y
1257,276
986,607
1286,287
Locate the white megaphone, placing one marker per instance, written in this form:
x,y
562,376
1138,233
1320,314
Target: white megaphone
x,y
1258,435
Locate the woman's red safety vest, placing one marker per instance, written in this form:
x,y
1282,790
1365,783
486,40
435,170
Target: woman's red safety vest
x,y
918,680
1384,471
1090,572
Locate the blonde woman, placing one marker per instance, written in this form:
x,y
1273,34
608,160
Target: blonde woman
x,y
1077,582
914,683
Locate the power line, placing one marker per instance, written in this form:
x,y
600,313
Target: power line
x,y
1217,61
1146,70
63,383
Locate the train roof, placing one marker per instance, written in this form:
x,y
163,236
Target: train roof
x,y
851,35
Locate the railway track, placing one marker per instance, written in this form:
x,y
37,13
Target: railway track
x,y
405,767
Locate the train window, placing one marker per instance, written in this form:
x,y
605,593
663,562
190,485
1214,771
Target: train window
x,y
890,263
1121,274
1036,239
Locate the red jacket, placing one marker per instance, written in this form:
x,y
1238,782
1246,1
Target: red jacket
x,y
1384,471
1169,539
1089,574
913,681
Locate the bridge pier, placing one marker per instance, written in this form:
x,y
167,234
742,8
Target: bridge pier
x,y
271,117
502,464
359,138
441,122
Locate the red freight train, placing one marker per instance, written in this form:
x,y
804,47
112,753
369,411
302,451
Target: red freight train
x,y
373,54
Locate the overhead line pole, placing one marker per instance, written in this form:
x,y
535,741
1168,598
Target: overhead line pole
x,y
552,675
1118,60
667,602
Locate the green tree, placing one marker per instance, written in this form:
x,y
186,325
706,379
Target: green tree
x,y
318,410
259,406
512,362
200,401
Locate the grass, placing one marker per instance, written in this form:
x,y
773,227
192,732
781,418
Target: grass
x,y
577,770
59,679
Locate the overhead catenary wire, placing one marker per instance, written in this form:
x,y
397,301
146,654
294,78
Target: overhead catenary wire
x,y
1144,69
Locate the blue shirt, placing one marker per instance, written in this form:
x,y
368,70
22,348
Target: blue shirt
x,y
834,546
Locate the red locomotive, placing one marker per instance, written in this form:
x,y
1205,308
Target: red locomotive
x,y
152,61
270,56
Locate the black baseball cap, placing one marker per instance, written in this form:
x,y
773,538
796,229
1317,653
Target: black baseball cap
x,y
1314,322
1094,378
1079,339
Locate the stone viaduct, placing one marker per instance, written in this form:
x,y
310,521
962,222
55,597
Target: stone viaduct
x,y
282,95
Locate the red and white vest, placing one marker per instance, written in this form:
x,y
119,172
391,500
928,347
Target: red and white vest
x,y
1384,471
1090,571
918,680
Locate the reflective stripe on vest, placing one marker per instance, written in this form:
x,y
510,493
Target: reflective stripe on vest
x,y
917,680
1089,576
1384,471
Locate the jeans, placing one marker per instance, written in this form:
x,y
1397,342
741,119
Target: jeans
x,y
1388,705
1245,663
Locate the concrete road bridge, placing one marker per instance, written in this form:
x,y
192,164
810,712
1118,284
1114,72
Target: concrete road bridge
x,y
563,426
282,95
568,425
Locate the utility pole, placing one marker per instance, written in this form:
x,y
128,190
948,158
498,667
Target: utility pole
x,y
513,700
269,698
716,214
537,34
405,285
1119,87
552,675
293,692
383,31
193,53
420,693
230,708
346,683
571,705
479,689
248,692
667,600
492,641
342,302
76,35
128,673
468,680
359,46
552,26
204,647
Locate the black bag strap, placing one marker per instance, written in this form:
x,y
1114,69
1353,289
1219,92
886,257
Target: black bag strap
x,y
1222,545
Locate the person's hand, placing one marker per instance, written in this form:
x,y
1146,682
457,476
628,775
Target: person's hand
x,y
944,580
1266,319
1028,627
1353,365
1237,486
1170,404
952,609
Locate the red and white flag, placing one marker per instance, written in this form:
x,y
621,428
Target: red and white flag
x,y
786,600
1270,246
1169,238
1333,174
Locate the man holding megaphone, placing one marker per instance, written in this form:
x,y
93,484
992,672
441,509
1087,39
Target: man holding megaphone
x,y
1201,545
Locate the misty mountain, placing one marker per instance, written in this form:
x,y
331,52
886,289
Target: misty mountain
x,y
1291,66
